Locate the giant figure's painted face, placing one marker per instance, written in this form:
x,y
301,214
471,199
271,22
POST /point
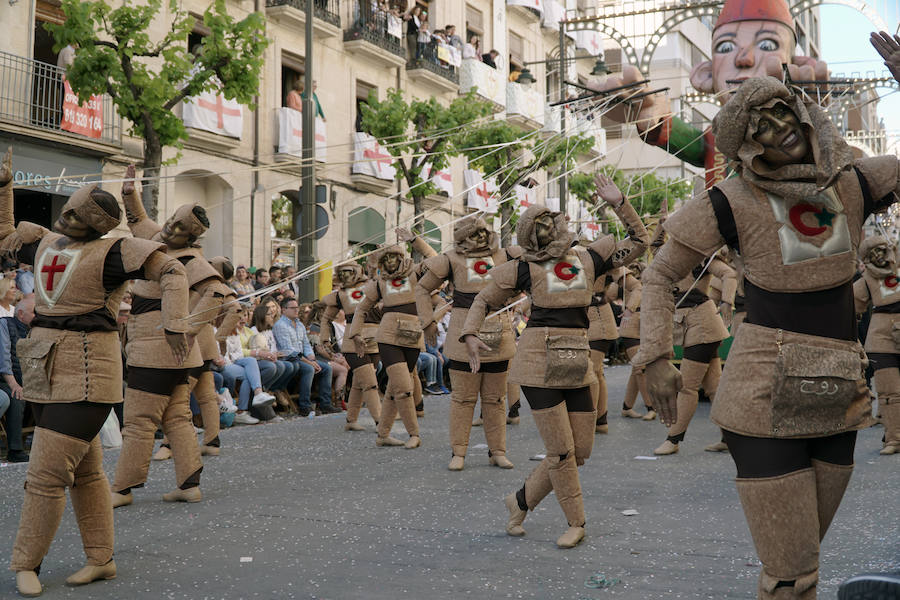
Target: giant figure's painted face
x,y
740,50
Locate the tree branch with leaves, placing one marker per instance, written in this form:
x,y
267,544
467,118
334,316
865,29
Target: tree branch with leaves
x,y
146,79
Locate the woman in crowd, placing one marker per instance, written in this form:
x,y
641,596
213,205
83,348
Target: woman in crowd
x,y
242,284
311,316
250,367
262,345
7,297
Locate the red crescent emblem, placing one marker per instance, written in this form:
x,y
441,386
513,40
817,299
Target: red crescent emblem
x,y
398,282
797,211
891,281
562,271
480,267
356,294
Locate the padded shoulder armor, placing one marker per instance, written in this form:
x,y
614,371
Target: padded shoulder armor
x,y
882,173
695,226
439,265
604,246
136,251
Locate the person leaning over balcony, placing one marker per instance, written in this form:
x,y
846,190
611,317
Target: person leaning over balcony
x,y
413,20
490,59
453,39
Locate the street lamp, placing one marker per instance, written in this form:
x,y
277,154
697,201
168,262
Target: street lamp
x,y
600,67
525,77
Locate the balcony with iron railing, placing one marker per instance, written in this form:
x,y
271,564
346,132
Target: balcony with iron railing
x,y
31,103
430,69
326,15
376,34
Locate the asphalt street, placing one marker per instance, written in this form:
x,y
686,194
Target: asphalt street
x,y
302,509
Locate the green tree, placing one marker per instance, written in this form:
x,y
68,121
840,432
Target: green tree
x,y
283,217
418,133
146,79
646,192
517,156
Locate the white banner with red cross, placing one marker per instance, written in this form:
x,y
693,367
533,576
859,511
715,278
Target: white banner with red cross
x,y
482,193
441,180
526,197
369,158
212,112
290,134
590,227
588,39
86,119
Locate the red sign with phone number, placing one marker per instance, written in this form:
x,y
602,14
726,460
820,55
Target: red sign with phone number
x,y
85,120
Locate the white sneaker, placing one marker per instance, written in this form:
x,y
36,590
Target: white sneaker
x,y
244,418
226,402
263,399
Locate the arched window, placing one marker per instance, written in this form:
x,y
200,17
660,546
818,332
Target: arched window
x,y
432,235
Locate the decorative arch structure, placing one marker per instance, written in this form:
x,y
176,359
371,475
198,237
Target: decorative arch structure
x,y
365,226
859,5
611,32
682,15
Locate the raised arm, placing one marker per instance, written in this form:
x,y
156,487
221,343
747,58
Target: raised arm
x,y
418,243
139,223
632,247
435,271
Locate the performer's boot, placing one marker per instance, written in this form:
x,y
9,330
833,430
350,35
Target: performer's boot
x,y
555,428
513,401
94,513
406,405
418,402
176,424
365,389
51,469
710,385
599,391
205,392
493,389
143,416
388,414
784,523
537,486
692,374
831,483
631,391
890,418
463,396
164,452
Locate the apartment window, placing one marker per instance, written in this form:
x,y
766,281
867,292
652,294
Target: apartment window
x,y
362,97
475,25
197,33
516,52
293,69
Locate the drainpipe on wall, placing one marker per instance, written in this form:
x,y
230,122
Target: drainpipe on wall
x,y
257,6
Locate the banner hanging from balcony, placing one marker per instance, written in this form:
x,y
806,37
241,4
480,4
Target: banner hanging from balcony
x,y
552,204
590,228
554,12
441,180
525,197
212,112
535,5
290,134
482,193
394,26
86,119
369,158
589,40
491,83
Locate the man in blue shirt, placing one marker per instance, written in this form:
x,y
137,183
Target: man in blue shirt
x,y
290,335
12,329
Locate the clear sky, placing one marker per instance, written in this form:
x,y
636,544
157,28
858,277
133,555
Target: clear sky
x,y
845,47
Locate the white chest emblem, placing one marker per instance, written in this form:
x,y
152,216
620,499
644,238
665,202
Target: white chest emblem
x,y
889,286
478,269
54,271
565,274
355,295
398,285
814,228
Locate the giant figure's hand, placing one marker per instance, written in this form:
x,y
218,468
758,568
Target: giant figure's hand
x,y
645,112
663,384
889,48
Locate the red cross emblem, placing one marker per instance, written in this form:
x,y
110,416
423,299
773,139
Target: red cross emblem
x,y
565,270
298,133
220,109
382,161
54,270
356,295
822,215
891,281
483,192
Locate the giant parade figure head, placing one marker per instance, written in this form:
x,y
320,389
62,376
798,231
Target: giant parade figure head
x,y
751,38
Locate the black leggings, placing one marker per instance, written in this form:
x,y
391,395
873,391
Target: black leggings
x,y
576,399
601,345
499,366
391,355
356,362
156,381
757,457
81,420
702,353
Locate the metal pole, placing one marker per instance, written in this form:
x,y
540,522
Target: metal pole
x,y
563,187
308,291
